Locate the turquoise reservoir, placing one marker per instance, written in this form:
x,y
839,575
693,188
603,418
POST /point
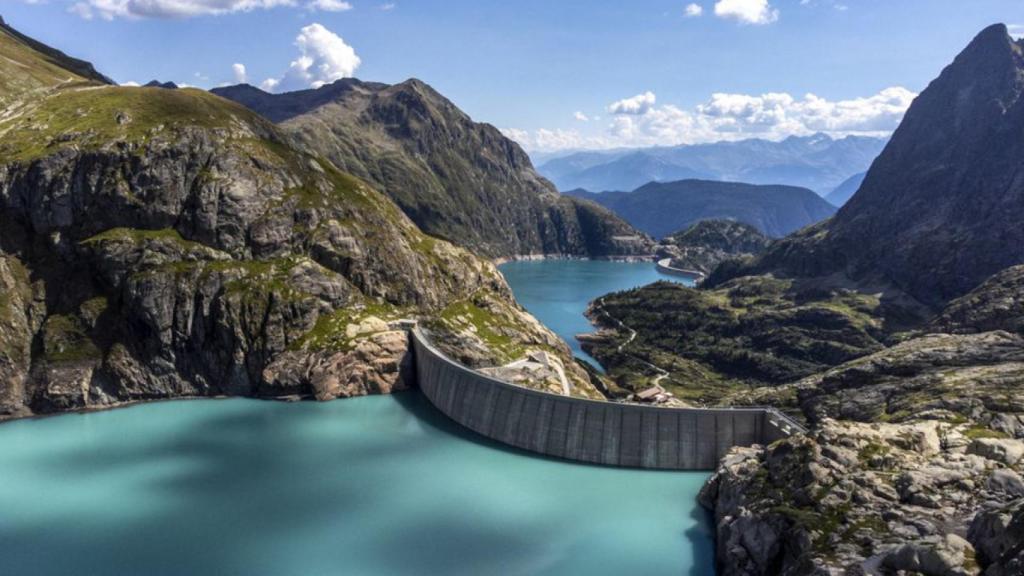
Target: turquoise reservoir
x,y
557,292
363,487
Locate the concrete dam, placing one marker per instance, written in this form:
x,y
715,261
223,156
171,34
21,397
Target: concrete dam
x,y
581,430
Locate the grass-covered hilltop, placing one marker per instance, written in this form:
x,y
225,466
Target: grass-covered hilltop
x,y
894,329
171,243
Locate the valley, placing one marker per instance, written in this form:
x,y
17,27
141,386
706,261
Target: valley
x,y
844,365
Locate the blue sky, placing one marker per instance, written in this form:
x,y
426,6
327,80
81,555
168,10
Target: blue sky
x,y
530,66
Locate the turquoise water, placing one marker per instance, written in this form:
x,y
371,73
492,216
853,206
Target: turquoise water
x,y
366,487
557,292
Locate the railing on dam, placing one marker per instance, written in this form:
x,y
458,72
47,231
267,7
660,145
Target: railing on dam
x,y
583,430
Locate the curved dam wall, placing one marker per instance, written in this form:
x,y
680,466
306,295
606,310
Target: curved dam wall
x,y
586,430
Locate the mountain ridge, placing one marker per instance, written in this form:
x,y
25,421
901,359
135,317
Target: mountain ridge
x,y
818,162
936,214
662,208
458,179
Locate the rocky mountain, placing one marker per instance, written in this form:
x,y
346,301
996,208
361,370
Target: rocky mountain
x,y
818,162
457,179
842,193
893,330
170,243
660,209
708,243
939,211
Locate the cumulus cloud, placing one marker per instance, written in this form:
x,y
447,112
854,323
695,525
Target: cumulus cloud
x,y
747,11
639,104
580,116
323,58
238,70
693,10
724,116
110,9
329,5
1016,30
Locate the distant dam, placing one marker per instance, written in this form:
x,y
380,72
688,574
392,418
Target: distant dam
x,y
608,433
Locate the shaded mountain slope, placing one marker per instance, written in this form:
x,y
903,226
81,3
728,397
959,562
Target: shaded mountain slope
x,y
457,179
842,193
940,210
660,209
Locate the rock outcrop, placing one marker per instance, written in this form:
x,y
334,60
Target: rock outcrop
x,y
867,499
168,243
708,243
457,179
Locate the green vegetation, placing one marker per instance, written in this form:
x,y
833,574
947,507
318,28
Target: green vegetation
x,y
65,340
95,117
977,432
469,315
24,69
137,236
753,331
334,332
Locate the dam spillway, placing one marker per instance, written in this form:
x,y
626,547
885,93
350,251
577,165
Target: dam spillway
x,y
607,433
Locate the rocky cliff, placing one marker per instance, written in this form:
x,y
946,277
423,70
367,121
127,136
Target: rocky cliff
x,y
168,243
455,178
939,210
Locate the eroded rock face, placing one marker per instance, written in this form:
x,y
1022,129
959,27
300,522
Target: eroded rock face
x,y
168,243
998,304
977,376
455,178
998,538
379,363
864,499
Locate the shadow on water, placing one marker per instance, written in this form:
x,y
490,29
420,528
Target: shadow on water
x,y
224,488
701,537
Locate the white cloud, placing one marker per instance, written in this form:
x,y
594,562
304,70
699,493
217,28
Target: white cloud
x,y
1016,30
238,70
723,116
110,9
323,58
131,84
638,104
693,10
580,116
329,5
388,6
747,11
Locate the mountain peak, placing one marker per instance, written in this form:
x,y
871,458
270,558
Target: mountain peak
x,y
938,211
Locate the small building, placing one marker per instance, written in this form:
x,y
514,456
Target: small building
x,y
651,394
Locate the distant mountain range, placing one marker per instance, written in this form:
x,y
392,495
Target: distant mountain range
x,y
660,209
818,162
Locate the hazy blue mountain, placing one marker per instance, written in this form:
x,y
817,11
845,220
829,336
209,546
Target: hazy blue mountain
x,y
660,208
842,194
818,162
